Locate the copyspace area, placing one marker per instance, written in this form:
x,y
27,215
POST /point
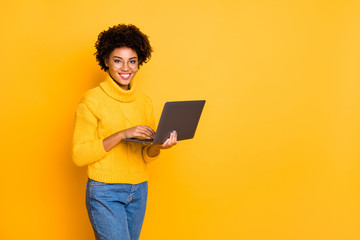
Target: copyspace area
x,y
276,153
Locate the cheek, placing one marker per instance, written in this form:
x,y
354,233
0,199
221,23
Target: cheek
x,y
112,71
133,73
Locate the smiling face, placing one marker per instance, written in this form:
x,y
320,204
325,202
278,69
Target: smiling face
x,y
123,65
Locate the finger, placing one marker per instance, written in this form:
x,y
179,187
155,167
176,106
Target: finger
x,y
152,130
148,130
148,133
174,138
143,135
166,143
145,132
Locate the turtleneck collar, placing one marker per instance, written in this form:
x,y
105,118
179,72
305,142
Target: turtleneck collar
x,y
116,92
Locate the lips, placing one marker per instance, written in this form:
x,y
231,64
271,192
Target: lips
x,y
125,76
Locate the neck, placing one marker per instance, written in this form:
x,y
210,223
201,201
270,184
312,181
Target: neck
x,y
114,90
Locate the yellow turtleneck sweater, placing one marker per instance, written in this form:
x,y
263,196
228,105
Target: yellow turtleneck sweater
x,y
102,112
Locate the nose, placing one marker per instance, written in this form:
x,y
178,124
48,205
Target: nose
x,y
125,67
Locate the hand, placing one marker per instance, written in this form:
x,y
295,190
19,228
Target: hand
x,y
170,142
139,131
154,150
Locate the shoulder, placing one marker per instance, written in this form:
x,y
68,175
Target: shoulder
x,y
91,95
145,99
92,98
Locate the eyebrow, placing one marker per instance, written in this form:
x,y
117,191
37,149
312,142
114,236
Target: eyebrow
x,y
122,58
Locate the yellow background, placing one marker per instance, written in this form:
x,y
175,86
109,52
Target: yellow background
x,y
276,153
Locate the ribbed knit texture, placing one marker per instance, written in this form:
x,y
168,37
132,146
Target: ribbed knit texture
x,y
102,112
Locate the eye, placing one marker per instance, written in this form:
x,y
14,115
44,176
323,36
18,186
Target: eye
x,y
132,61
117,61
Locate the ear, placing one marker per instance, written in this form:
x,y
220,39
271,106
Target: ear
x,y
106,60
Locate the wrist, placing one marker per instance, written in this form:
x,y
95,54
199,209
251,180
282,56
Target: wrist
x,y
153,151
121,135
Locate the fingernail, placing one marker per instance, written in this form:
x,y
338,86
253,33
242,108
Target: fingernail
x,y
174,132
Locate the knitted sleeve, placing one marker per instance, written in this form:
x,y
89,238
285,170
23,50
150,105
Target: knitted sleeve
x,y
87,146
151,122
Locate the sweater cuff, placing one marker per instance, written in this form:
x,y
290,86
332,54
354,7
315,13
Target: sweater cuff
x,y
146,157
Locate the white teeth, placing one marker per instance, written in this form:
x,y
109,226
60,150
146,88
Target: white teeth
x,y
125,75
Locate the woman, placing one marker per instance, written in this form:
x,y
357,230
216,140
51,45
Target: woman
x,y
116,191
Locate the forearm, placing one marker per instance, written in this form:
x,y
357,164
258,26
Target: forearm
x,y
153,151
113,140
88,152
137,131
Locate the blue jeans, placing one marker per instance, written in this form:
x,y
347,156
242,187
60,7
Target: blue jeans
x,y
116,211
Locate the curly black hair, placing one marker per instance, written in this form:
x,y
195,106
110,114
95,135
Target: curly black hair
x,y
122,35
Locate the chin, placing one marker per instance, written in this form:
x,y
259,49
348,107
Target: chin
x,y
123,83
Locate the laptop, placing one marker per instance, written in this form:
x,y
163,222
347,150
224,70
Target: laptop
x,y
181,116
